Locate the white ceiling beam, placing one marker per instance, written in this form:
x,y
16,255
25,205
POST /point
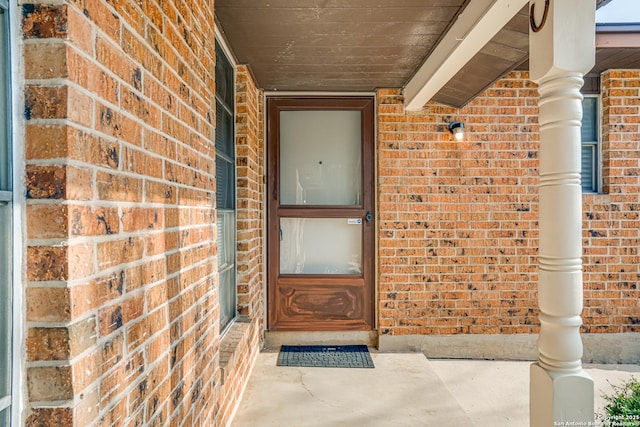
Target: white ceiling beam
x,y
474,27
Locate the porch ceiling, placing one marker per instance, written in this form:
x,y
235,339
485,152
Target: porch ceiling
x,y
360,45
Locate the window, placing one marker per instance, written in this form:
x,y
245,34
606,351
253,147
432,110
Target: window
x,y
6,197
226,186
590,136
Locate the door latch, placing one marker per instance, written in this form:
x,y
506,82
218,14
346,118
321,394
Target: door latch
x,y
368,217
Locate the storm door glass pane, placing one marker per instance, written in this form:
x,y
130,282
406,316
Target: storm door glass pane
x,y
320,246
320,158
5,299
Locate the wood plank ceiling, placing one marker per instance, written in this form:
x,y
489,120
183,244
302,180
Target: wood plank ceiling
x,y
359,45
333,45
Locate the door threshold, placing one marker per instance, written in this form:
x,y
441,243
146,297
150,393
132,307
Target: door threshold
x,y
274,339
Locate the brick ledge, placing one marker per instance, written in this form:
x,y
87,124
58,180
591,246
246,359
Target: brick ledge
x,y
232,343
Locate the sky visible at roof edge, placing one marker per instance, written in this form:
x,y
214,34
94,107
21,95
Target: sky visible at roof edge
x,y
618,11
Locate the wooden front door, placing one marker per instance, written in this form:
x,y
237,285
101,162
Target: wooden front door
x,y
320,224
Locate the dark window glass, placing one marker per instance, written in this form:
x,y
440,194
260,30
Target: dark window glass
x,y
224,77
589,130
589,133
225,187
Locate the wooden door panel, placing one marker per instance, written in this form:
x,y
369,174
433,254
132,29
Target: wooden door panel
x,y
321,306
316,302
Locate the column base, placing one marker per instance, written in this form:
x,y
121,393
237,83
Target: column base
x,y
560,399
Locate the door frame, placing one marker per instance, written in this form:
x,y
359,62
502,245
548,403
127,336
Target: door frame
x,y
366,104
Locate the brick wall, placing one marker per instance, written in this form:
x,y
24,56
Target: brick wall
x,y
250,193
122,300
244,340
458,220
611,227
121,284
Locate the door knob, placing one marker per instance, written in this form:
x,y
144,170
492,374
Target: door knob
x,y
368,217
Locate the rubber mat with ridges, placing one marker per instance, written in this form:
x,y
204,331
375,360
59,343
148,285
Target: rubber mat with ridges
x,y
325,356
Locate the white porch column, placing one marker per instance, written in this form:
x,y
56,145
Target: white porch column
x,y
561,52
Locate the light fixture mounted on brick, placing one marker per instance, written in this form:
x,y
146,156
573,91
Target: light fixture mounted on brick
x,y
457,129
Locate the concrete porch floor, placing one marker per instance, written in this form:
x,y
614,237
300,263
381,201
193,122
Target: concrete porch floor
x,y
404,389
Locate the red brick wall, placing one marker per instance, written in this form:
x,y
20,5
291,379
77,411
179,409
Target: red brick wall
x,y
250,194
122,305
121,284
611,227
458,220
244,340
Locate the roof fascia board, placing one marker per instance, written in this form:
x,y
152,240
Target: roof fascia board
x,y
478,23
618,27
613,40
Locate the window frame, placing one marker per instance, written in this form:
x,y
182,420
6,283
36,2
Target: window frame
x,y
230,59
6,157
6,200
597,168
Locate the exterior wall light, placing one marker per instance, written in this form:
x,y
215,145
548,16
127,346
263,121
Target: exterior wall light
x,y
457,129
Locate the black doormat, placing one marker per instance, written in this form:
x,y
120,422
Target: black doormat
x,y
325,356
